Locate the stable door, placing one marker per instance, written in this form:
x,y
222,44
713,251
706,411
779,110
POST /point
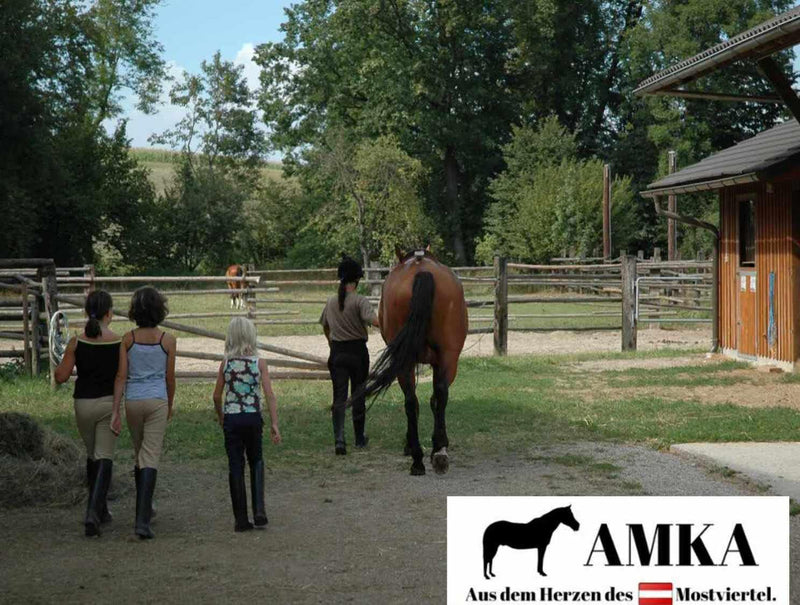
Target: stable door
x,y
747,320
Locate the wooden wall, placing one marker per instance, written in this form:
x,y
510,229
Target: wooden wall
x,y
778,251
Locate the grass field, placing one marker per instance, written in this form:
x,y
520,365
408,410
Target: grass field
x,y
497,406
161,164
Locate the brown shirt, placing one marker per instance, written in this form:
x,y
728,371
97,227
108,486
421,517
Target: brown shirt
x,y
352,322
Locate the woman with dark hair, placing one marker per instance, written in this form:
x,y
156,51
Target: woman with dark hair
x,y
146,376
345,319
95,353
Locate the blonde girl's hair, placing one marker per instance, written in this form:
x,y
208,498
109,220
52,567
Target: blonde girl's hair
x,y
241,338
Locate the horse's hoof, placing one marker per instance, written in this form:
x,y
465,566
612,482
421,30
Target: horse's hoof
x,y
440,461
417,470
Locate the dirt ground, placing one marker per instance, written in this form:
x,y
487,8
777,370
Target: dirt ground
x,y
751,387
519,343
367,533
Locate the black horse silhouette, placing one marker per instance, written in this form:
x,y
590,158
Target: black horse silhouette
x,y
534,534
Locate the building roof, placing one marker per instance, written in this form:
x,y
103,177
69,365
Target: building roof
x,y
754,159
765,39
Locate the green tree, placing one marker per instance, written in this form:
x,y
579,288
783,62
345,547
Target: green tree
x,y
548,200
125,56
199,215
434,75
57,170
374,198
220,128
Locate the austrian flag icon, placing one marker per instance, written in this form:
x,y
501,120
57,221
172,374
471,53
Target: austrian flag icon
x,y
655,593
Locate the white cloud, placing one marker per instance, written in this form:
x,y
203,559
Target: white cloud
x,y
251,70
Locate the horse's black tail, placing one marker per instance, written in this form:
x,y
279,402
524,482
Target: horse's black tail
x,y
404,351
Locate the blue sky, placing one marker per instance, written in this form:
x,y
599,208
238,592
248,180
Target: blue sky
x,y
192,31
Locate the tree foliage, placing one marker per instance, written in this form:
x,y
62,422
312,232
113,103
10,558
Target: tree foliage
x,y
548,200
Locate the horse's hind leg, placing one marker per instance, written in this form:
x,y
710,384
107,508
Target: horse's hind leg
x,y
412,413
407,447
489,551
439,457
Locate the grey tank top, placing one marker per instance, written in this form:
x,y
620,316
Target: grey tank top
x,y
147,371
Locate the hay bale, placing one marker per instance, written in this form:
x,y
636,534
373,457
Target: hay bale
x,y
20,436
38,466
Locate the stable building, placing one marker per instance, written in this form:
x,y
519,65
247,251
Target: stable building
x,y
757,255
758,263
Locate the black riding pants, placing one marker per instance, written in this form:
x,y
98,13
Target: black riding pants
x,y
242,436
349,364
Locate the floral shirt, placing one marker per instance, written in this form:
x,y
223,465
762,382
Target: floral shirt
x,y
242,385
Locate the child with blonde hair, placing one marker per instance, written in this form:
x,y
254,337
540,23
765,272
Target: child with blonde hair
x,y
240,375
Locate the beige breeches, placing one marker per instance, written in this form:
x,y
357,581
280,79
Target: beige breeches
x,y
94,424
147,422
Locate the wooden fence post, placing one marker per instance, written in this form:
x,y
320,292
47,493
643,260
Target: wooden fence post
x,y
629,303
47,274
26,332
500,305
88,273
606,211
36,337
672,206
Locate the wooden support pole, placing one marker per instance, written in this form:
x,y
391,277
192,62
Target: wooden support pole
x,y
500,305
88,273
26,333
36,337
47,274
672,205
629,303
606,211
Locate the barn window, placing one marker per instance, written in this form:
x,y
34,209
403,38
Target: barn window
x,y
747,233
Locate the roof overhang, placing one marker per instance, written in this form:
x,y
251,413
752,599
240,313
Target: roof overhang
x,y
774,35
708,185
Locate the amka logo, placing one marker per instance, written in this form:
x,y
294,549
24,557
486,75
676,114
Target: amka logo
x,y
534,534
691,546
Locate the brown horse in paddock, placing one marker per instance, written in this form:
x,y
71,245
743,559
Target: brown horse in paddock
x,y
423,319
237,298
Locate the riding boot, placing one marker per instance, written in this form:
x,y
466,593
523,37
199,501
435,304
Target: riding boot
x,y
145,487
91,473
257,493
91,519
358,427
153,509
239,502
338,431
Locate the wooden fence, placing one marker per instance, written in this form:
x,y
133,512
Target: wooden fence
x,y
633,289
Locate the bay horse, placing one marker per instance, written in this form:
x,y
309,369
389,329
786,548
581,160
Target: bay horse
x,y
423,319
237,298
534,534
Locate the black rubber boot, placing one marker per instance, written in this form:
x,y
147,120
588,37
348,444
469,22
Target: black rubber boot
x,y
338,431
358,427
239,502
257,493
144,500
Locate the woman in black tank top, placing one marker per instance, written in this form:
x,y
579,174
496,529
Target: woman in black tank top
x,y
345,319
95,354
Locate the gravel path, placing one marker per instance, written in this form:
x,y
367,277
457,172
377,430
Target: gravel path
x,y
366,532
